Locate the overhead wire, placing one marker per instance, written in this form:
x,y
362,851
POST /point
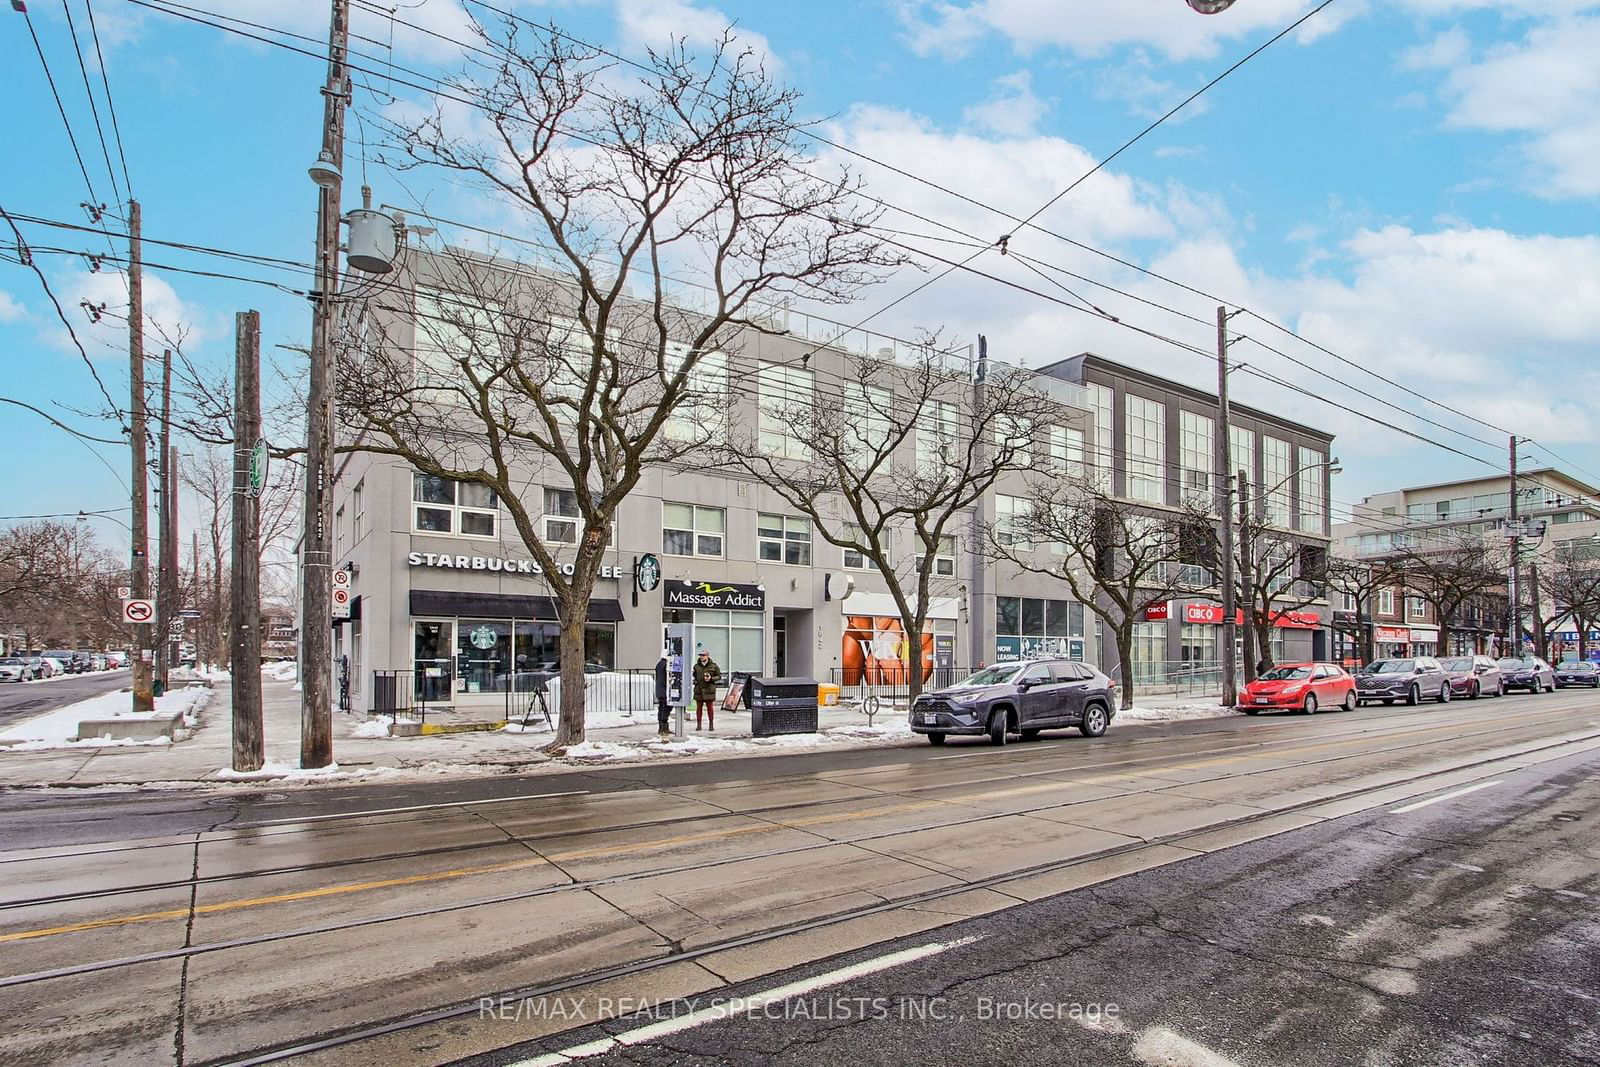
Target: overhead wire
x,y
111,107
94,109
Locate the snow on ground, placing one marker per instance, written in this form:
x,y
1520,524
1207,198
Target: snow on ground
x,y
60,726
378,729
201,674
288,671
1174,713
699,744
274,771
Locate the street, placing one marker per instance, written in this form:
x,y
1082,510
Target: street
x,y
438,921
30,699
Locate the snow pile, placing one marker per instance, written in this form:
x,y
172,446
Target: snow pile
x,y
372,729
89,742
288,671
59,727
201,674
602,751
1177,713
610,699
292,772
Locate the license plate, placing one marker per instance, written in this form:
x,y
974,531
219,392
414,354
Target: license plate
x,y
1263,700
929,718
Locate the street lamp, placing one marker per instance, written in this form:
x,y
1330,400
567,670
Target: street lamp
x,y
1210,7
84,516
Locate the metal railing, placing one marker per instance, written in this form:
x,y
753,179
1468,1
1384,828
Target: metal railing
x,y
1183,676
408,693
411,693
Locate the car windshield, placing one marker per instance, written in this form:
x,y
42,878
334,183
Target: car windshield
x,y
1512,664
12,662
1286,674
999,674
1456,664
1578,665
1391,666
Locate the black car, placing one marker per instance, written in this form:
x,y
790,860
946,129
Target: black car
x,y
1528,672
1578,672
1018,698
1410,680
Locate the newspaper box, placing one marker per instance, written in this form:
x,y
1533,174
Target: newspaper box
x,y
781,706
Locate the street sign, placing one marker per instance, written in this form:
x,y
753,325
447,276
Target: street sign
x,y
175,627
189,613
341,578
138,611
124,592
258,467
341,601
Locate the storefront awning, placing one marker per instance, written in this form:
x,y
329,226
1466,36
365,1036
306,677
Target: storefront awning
x,y
503,606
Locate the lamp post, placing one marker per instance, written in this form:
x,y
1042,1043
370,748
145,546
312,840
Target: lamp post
x,y
1247,550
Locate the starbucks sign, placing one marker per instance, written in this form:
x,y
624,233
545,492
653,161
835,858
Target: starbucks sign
x,y
648,572
483,637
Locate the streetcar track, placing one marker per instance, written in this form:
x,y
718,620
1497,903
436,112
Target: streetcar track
x,y
755,813
623,877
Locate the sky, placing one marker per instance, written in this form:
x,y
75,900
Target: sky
x,y
1412,187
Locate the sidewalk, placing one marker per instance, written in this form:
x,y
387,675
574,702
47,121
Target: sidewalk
x,y
363,752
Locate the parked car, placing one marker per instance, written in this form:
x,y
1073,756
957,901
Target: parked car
x,y
117,660
1300,687
1473,677
1410,680
57,666
99,662
1578,672
1023,698
42,667
15,669
1528,672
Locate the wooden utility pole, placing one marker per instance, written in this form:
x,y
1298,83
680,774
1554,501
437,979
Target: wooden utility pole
x,y
173,579
248,742
316,559
143,676
1221,448
1246,566
1514,590
166,601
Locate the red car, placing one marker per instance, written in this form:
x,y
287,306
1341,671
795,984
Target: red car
x,y
1300,687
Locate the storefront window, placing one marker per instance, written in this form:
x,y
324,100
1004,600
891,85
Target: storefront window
x,y
432,645
1026,627
1198,643
1149,652
483,655
473,656
734,638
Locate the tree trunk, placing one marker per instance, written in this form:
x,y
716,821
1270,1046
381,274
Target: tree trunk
x,y
1263,632
1124,635
1445,634
913,659
1369,644
569,725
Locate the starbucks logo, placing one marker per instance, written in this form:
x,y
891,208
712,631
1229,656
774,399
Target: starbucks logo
x,y
483,637
648,573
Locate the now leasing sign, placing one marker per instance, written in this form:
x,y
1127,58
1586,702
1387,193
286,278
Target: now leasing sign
x,y
496,564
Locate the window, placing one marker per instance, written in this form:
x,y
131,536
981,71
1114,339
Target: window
x,y
1197,644
447,332
1275,480
784,398
561,517
1196,453
702,414
1011,515
691,530
783,539
338,532
1416,607
1386,602
1242,451
1147,448
1312,512
944,557
440,505
734,638
358,508
867,418
854,560
1067,446
1015,435
1026,627
1105,442
1347,602
936,438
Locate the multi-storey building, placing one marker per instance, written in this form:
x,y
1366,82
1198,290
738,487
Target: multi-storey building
x,y
1558,511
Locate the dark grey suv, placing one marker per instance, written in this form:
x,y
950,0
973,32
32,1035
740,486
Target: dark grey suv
x,y
1018,698
1410,680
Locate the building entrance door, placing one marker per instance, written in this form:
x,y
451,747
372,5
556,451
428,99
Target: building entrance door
x,y
780,646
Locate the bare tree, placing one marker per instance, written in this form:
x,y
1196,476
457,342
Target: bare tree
x,y
1278,572
1450,569
1360,580
1568,583
504,374
1117,557
891,460
57,585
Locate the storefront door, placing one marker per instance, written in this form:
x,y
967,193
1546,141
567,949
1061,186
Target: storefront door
x,y
432,646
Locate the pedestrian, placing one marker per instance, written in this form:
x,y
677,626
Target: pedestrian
x,y
706,676
662,711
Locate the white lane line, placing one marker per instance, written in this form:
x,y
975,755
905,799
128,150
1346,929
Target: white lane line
x,y
413,807
1161,1047
1443,796
740,1005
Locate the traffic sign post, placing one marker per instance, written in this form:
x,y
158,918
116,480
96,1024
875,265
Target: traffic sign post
x,y
138,612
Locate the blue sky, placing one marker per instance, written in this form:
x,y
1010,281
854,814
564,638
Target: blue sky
x,y
1412,184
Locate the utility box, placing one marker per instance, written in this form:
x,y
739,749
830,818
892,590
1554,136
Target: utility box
x,y
781,706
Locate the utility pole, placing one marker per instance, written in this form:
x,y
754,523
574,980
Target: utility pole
x,y
248,749
166,603
1514,593
316,560
1246,566
1221,448
976,632
143,692
169,557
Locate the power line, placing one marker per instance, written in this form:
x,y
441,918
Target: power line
x,y
94,109
61,108
111,107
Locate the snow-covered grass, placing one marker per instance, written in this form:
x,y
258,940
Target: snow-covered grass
x,y
1174,713
288,671
60,727
201,674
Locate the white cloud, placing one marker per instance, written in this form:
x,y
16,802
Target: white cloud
x,y
164,310
657,23
1449,49
1547,88
11,310
1012,109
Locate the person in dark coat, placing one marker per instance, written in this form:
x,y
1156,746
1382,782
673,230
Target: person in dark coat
x,y
706,676
662,710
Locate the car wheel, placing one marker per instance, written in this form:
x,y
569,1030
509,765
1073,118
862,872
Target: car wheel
x,y
1500,689
1094,721
997,728
1311,704
1445,692
937,739
1031,734
1414,696
1475,692
1350,701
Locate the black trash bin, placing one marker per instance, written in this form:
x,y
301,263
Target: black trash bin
x,y
781,706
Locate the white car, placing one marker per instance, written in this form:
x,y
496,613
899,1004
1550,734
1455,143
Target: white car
x,y
56,666
13,669
41,667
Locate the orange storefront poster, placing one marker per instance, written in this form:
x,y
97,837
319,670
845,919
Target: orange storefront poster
x,y
875,651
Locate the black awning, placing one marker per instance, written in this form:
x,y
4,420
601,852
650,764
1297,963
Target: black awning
x,y
503,606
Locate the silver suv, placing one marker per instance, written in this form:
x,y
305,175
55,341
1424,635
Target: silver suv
x,y
1018,698
1410,680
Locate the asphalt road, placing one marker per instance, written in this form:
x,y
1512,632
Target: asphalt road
x,y
366,924
25,700
1466,932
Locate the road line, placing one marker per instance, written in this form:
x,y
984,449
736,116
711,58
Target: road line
x,y
396,811
1444,796
740,1005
